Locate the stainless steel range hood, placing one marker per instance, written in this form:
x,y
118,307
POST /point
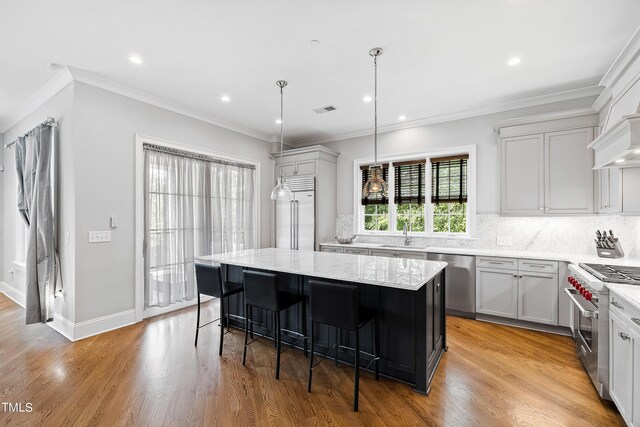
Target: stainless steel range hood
x,y
619,145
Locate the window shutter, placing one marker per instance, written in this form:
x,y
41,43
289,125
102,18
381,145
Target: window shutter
x,y
449,179
409,182
374,199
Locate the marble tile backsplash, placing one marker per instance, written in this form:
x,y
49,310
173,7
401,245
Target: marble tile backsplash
x,y
572,235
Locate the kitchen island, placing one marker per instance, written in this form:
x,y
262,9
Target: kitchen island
x,y
408,294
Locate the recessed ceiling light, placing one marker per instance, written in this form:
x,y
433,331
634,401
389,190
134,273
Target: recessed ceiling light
x,y
225,98
514,61
367,99
135,59
315,41
278,121
402,118
620,161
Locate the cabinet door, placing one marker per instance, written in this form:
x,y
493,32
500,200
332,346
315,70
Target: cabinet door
x,y
356,251
568,171
379,252
620,365
523,175
305,167
497,292
413,255
635,339
538,298
331,249
288,169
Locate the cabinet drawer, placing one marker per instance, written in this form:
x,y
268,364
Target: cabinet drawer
x,y
378,252
305,167
356,251
624,310
331,249
538,266
493,262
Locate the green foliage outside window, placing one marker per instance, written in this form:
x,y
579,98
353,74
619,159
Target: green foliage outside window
x,y
450,218
376,217
411,214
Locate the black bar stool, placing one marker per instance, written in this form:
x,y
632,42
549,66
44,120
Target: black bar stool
x,y
337,305
209,282
261,291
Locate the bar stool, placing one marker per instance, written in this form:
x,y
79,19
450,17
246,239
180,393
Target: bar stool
x,y
209,282
337,305
261,291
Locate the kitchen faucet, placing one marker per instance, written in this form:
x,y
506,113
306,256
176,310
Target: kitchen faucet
x,y
405,232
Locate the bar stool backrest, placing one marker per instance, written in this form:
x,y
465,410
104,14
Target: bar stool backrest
x,y
209,280
261,290
334,304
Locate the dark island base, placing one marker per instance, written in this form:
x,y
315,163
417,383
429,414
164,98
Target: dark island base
x,y
412,326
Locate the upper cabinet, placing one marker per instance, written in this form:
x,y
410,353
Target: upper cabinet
x,y
547,167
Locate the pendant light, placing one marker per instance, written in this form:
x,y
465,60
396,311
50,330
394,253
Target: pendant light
x,y
375,184
281,191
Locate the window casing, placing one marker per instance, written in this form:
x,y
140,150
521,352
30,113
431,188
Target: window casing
x,y
424,217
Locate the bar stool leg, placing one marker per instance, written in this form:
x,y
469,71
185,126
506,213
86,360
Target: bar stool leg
x,y
304,328
311,359
357,369
198,321
222,317
376,345
278,345
275,325
247,321
338,342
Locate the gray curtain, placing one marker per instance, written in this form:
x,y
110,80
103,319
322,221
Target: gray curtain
x,y
33,164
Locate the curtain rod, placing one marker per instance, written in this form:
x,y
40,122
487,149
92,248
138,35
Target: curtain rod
x,y
49,122
197,156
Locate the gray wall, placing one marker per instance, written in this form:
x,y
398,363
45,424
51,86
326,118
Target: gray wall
x,y
60,106
475,130
106,124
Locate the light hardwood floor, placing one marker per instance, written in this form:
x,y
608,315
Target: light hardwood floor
x,y
150,374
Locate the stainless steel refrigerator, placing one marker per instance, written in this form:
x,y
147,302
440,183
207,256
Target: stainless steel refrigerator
x,y
295,219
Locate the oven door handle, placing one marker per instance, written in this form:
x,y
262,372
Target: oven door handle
x,y
583,311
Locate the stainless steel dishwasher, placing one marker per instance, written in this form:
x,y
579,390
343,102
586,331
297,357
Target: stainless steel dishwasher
x,y
460,283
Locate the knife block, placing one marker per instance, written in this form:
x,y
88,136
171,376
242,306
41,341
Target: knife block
x,y
615,252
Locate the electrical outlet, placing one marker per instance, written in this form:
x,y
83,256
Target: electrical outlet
x,y
504,241
99,236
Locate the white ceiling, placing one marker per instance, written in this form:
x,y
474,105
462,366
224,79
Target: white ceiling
x,y
440,57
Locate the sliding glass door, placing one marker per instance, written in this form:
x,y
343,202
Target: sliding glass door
x,y
194,205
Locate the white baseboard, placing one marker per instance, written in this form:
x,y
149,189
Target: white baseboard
x,y
62,325
13,294
89,328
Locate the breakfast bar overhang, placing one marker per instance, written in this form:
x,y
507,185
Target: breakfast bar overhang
x,y
409,295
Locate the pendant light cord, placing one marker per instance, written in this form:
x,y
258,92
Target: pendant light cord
x,y
281,130
375,109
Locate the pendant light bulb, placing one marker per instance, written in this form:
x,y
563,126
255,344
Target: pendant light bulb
x,y
375,184
281,191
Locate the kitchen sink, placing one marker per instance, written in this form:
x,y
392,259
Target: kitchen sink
x,y
403,247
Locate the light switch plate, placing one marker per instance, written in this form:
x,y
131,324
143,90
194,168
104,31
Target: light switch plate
x,y
504,241
99,236
114,221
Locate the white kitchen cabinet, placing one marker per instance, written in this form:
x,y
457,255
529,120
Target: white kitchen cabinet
x,y
497,292
523,175
568,172
331,249
398,254
634,333
630,193
538,297
609,190
356,251
296,168
621,366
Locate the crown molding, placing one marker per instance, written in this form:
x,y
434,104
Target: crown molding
x,y
94,80
61,80
497,108
629,53
602,100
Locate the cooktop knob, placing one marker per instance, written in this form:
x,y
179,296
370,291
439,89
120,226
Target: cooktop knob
x,y
588,296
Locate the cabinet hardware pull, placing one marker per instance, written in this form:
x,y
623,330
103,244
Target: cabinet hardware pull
x,y
521,276
617,305
515,275
537,265
623,336
636,320
496,262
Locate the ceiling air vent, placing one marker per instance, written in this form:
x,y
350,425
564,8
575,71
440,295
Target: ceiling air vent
x,y
323,110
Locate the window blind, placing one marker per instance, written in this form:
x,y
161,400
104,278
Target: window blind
x,y
409,182
377,198
449,179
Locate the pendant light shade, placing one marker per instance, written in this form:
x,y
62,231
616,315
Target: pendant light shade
x,y
281,191
375,184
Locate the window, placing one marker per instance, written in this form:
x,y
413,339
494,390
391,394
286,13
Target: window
x,y
409,195
432,194
449,194
376,206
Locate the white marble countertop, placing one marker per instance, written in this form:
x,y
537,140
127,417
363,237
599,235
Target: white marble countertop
x,y
550,256
401,273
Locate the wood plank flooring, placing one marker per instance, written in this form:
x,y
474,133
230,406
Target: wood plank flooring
x,y
150,374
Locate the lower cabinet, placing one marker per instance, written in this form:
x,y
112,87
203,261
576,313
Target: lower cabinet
x,y
635,338
621,366
522,295
497,292
538,298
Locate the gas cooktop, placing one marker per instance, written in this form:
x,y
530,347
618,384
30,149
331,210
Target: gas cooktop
x,y
614,273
